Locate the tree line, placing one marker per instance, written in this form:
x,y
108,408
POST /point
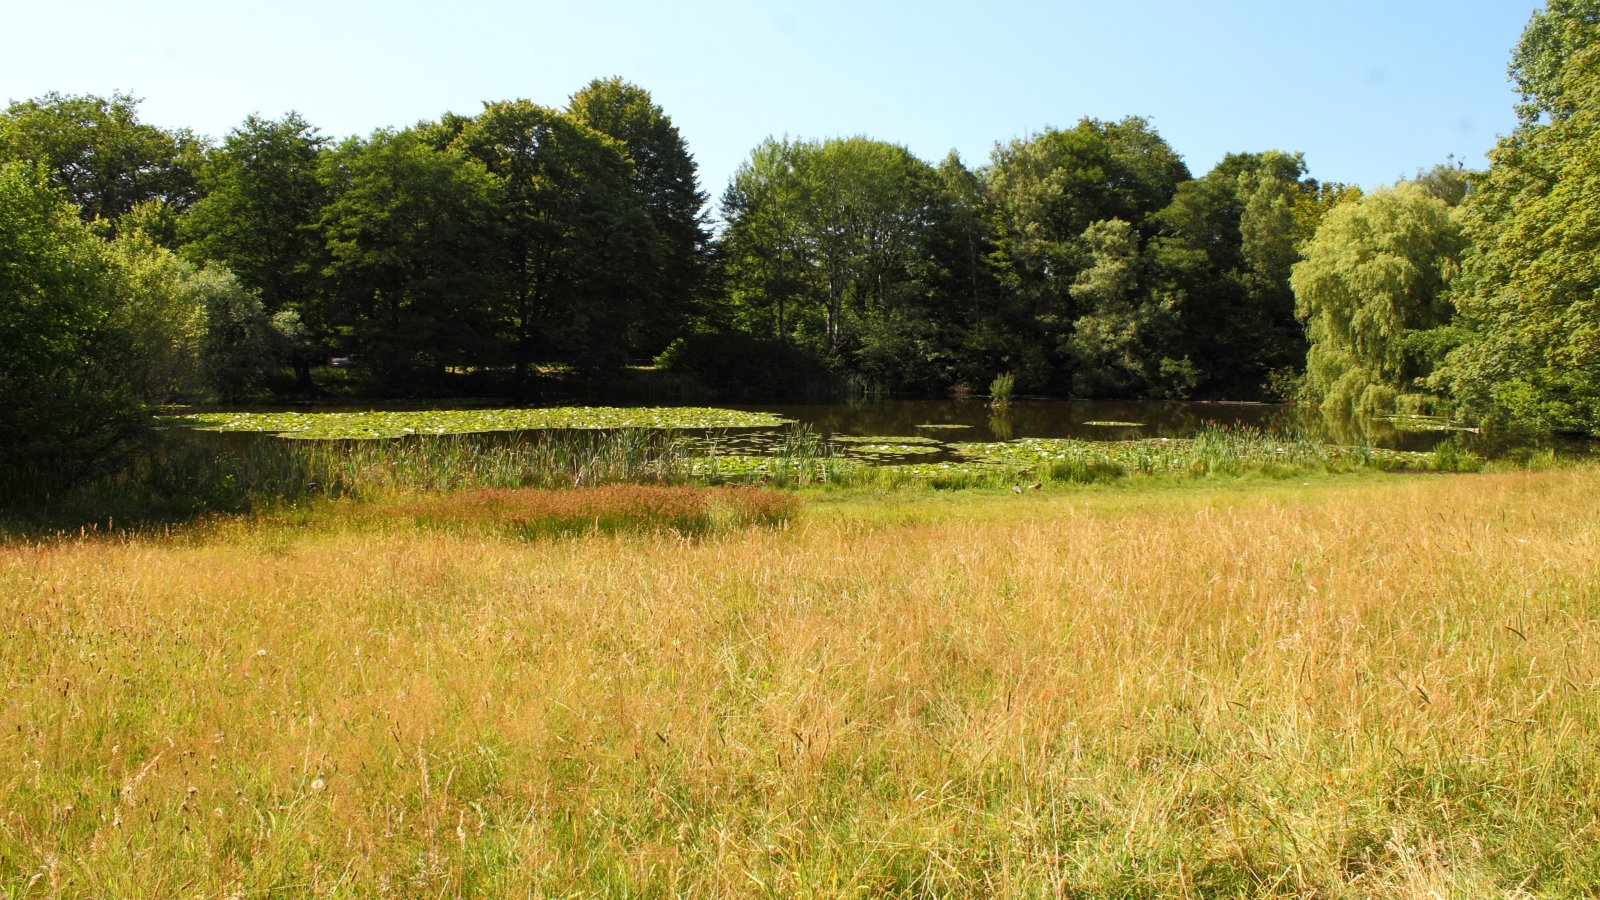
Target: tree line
x,y
142,264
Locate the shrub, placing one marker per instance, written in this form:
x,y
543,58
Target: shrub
x,y
736,364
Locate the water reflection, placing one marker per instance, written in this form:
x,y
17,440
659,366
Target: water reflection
x,y
1000,425
1102,420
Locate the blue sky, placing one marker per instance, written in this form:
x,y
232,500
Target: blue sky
x,y
1369,91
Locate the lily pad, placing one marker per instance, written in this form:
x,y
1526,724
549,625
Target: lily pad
x,y
1425,423
857,439
390,423
892,449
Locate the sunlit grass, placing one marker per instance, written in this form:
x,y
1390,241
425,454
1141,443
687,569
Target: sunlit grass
x,y
1365,687
682,509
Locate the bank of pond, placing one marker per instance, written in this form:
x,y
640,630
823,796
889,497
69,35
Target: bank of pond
x,y
196,462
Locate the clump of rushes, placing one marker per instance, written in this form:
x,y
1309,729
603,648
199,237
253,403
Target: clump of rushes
x,y
534,513
1000,390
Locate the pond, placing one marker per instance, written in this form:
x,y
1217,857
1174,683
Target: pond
x,y
877,430
1097,420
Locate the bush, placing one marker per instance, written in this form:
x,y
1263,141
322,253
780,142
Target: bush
x,y
66,406
738,365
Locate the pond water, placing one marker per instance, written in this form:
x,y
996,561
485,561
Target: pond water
x,y
1097,420
899,428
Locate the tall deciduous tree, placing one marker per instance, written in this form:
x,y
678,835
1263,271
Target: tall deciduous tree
x,y
1373,281
262,200
1225,248
1529,294
1119,338
831,239
1047,189
407,227
574,246
98,152
666,184
64,403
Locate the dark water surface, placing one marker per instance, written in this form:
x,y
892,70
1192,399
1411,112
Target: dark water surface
x,y
1099,420
973,420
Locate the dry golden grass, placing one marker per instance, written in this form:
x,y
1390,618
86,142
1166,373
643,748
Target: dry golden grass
x,y
1382,688
533,512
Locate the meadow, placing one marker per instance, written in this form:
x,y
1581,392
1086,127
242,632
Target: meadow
x,y
1348,684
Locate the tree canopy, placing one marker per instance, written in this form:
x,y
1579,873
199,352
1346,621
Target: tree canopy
x,y
1373,281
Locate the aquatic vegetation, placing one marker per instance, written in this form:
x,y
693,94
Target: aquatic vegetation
x,y
1212,452
897,449
858,439
1425,423
1001,390
370,424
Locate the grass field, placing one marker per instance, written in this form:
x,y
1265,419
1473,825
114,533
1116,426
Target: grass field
x,y
1359,686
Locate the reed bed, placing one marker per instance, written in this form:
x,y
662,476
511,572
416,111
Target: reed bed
x,y
1375,688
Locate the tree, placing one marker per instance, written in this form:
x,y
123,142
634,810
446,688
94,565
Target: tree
x,y
573,246
1118,340
407,229
1529,293
262,201
762,250
158,305
65,407
1224,251
666,185
237,351
1046,190
1552,38
830,239
1372,283
98,152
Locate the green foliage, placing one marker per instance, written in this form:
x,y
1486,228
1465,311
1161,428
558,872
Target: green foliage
x,y
665,184
740,364
1529,294
825,243
66,406
1373,277
98,152
238,351
262,197
159,307
1048,189
1223,255
262,202
1554,36
1001,390
572,246
407,231
1123,327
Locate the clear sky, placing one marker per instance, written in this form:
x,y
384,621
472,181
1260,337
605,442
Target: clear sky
x,y
1370,91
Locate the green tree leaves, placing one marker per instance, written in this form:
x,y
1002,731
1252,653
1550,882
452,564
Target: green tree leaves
x,y
1373,280
64,403
1529,294
98,152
